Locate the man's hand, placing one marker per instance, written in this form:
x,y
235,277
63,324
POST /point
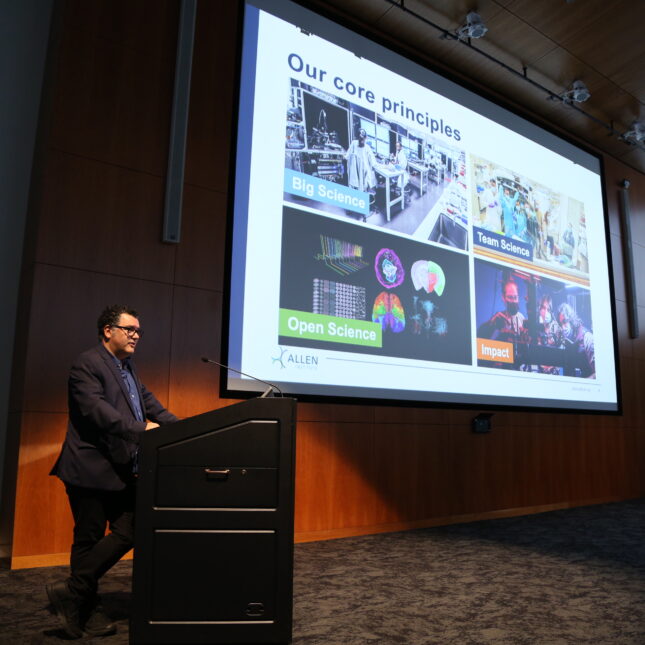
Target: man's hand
x,y
150,425
500,320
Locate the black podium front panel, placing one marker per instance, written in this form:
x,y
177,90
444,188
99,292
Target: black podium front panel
x,y
214,533
221,575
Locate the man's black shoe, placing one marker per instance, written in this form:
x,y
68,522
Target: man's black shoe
x,y
98,622
67,607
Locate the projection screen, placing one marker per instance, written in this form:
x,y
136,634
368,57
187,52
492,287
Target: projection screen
x,y
397,237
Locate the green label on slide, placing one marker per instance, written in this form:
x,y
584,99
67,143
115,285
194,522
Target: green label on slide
x,y
302,324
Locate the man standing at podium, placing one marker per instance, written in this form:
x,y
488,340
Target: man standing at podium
x,y
109,409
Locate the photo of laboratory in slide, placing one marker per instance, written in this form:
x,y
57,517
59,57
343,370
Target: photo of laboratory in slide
x,y
542,226
344,159
530,323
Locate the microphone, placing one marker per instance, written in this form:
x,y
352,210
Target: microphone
x,y
267,392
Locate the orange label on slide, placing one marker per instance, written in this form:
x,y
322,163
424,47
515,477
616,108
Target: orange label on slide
x,y
494,350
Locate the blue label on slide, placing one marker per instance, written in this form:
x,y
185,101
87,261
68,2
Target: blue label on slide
x,y
507,245
328,192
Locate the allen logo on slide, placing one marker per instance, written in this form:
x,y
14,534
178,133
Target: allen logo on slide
x,y
288,358
494,350
279,359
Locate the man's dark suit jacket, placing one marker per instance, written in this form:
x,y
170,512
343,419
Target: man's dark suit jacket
x,y
103,432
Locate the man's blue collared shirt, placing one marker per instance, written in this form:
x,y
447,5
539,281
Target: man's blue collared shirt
x,y
128,379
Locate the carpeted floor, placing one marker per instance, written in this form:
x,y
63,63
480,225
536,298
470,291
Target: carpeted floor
x,y
560,578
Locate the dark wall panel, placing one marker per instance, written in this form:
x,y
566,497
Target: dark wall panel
x,y
194,385
200,256
65,306
103,217
112,93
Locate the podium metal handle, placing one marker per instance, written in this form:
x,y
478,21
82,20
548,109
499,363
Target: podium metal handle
x,y
212,474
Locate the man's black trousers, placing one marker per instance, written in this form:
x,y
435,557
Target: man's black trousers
x,y
94,552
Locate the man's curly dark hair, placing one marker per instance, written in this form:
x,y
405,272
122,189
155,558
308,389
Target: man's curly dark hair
x,y
110,316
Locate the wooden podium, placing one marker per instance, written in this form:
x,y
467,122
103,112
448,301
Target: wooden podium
x,y
213,560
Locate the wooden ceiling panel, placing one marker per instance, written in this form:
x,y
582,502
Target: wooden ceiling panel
x,y
414,33
517,38
631,76
607,36
597,41
616,38
367,12
445,15
559,20
633,157
612,104
563,68
608,100
418,37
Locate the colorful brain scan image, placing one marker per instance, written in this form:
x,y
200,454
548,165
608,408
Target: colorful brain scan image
x,y
424,318
428,275
389,269
388,311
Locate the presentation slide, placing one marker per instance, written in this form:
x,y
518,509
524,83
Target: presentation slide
x,y
398,237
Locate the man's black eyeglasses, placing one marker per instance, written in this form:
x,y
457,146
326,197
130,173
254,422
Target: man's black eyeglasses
x,y
130,331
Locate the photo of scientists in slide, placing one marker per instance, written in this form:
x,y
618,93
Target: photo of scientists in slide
x,y
357,289
531,323
518,219
343,159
